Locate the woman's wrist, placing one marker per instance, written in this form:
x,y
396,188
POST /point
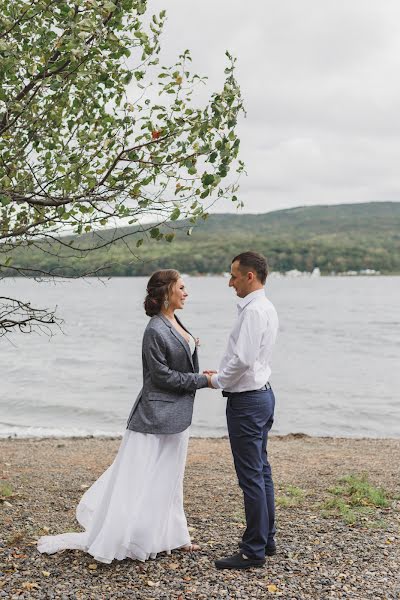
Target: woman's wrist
x,y
202,381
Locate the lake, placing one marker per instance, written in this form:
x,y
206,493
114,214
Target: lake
x,y
336,367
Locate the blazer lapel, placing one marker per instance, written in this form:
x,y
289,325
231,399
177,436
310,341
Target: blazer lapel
x,y
178,336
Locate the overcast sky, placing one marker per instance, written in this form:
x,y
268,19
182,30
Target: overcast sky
x,y
321,83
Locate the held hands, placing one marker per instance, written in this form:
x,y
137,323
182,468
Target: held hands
x,y
209,373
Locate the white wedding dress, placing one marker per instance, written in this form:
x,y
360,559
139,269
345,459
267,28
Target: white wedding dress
x,y
135,508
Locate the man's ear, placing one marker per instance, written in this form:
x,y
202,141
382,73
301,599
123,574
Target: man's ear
x,y
250,276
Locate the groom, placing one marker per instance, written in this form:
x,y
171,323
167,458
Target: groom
x,y
243,377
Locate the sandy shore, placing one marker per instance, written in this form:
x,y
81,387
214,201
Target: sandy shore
x,y
321,554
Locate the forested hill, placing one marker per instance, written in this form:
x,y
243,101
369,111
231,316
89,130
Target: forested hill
x,y
334,238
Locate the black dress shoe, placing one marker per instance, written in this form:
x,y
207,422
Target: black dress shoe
x,y
239,561
270,549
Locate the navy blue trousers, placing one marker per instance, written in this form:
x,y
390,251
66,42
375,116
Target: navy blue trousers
x,y
250,416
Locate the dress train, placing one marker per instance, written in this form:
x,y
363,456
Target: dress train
x,y
135,508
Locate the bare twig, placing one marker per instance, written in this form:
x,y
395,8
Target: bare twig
x,y
16,315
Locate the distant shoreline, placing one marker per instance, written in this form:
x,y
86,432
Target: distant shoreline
x,y
334,239
271,275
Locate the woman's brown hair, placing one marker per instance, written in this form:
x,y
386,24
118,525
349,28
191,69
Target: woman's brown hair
x,y
158,288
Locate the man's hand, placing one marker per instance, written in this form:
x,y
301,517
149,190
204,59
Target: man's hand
x,y
209,374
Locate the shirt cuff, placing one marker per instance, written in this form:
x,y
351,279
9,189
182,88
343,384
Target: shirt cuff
x,y
215,381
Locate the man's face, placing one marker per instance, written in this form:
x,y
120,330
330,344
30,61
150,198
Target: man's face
x,y
239,280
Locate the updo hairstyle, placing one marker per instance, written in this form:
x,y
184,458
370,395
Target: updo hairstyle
x,y
158,288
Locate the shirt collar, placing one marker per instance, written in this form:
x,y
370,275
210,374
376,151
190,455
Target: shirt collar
x,y
243,302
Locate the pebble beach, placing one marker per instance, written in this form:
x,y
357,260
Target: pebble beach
x,y
331,544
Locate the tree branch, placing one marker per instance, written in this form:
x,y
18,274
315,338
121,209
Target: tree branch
x,y
21,316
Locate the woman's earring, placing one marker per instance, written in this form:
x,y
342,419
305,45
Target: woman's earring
x,y
166,303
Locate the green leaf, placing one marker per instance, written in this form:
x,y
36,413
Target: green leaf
x,y
175,214
207,179
110,6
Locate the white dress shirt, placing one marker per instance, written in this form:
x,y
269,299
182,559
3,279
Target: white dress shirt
x,y
245,365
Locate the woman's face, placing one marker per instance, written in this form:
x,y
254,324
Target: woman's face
x,y
178,295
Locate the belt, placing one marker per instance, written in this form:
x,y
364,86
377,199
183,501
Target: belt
x,y
265,387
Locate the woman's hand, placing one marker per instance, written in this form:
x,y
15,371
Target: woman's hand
x,y
209,372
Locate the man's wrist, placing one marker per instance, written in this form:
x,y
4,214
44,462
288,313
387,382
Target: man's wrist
x,y
215,382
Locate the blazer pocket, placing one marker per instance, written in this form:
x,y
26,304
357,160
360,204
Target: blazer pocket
x,y
161,396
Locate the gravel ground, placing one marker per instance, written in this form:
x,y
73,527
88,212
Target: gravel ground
x,y
319,555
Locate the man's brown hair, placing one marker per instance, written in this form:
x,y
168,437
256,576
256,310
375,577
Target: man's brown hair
x,y
255,262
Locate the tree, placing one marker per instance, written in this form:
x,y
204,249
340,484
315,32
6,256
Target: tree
x,y
93,130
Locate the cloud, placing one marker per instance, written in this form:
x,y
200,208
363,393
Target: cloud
x,y
321,87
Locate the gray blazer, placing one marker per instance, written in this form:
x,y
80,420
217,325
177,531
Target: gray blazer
x,y
170,380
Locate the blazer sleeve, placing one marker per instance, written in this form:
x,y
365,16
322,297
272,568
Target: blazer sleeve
x,y
154,349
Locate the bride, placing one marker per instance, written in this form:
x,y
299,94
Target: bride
x,y
135,508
